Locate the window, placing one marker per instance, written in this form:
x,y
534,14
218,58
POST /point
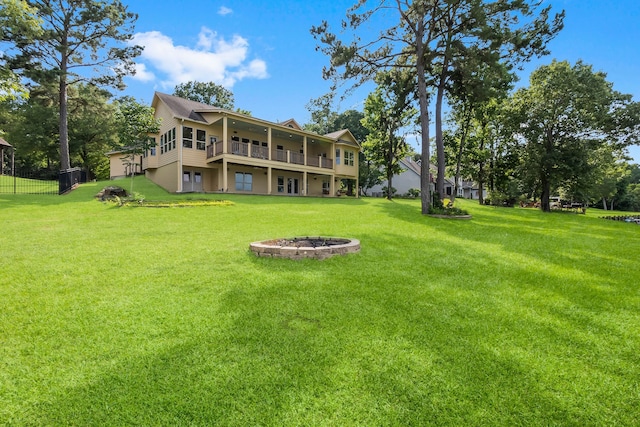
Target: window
x,y
168,141
338,156
201,139
349,158
325,187
281,184
187,137
152,147
244,181
186,176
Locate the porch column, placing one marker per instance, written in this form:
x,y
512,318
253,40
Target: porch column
x,y
224,140
269,180
304,150
304,183
269,142
225,177
357,188
332,186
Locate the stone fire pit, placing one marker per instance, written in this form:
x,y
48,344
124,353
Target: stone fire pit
x,y
305,247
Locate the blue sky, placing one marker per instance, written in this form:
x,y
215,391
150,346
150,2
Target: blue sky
x,y
263,51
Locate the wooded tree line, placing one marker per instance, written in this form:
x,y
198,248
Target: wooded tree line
x,y
567,132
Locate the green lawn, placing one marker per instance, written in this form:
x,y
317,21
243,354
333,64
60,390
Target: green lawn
x,y
11,185
161,316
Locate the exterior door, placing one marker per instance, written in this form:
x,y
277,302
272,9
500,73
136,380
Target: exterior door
x,y
191,181
292,186
197,182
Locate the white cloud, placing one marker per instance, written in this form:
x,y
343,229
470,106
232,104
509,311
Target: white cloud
x,y
224,11
206,38
214,59
143,74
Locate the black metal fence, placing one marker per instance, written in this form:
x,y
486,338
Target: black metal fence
x,y
40,182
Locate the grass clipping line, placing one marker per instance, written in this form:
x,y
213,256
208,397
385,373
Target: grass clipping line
x,y
170,204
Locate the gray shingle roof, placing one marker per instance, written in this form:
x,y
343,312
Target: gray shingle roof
x,y
186,108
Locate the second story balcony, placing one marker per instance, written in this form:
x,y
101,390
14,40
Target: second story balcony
x,y
246,149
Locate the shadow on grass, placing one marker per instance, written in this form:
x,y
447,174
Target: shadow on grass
x,y
344,341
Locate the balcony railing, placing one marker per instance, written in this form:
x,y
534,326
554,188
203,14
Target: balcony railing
x,y
258,152
297,158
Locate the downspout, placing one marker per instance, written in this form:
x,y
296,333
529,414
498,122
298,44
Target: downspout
x,y
180,171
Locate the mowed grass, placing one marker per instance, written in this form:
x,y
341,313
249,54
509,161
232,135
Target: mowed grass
x,y
162,316
11,185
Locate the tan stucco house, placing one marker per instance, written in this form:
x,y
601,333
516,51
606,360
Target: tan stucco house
x,y
201,148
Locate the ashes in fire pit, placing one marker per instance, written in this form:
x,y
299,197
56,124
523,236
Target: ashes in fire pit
x,y
305,247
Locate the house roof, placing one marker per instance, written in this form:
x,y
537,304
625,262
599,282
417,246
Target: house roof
x,y
185,108
411,165
339,135
4,143
192,110
291,123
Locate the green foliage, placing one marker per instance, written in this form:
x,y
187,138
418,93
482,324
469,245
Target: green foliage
x,y
413,193
81,41
560,122
530,317
389,192
208,93
33,127
432,41
386,111
17,21
135,121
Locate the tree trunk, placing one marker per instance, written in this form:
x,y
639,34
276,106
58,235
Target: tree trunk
x,y
423,102
63,124
604,204
481,174
65,162
546,193
463,139
481,183
439,141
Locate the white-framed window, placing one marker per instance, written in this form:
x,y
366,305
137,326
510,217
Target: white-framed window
x,y
349,158
187,137
244,181
337,156
281,184
168,141
201,139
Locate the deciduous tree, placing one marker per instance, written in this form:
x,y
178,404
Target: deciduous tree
x,y
567,113
387,110
135,122
208,93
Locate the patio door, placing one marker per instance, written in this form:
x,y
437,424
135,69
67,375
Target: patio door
x,y
192,181
292,186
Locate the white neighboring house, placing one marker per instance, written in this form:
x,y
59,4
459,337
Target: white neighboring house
x,y
410,178
470,190
402,182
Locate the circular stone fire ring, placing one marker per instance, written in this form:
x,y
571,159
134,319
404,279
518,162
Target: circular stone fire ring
x,y
305,247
